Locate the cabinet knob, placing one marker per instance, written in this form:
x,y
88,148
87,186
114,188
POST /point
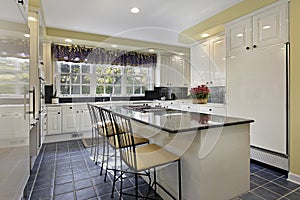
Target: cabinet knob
x,y
77,111
211,82
210,109
254,46
58,113
207,82
247,48
70,107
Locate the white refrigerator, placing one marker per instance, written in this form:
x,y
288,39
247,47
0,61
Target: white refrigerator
x,y
257,88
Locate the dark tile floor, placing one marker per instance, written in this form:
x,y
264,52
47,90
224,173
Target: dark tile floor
x,y
64,170
268,183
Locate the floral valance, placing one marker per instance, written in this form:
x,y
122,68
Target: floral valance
x,y
103,56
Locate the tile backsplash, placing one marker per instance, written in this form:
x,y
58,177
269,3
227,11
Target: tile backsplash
x,y
217,94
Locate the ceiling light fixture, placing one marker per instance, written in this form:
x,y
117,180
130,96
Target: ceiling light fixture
x,y
32,19
68,40
27,35
181,54
205,35
239,35
151,50
266,27
135,10
114,45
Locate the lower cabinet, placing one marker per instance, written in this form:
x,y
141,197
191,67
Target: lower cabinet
x,y
66,119
54,120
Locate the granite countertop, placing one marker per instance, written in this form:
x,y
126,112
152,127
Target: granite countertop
x,y
174,121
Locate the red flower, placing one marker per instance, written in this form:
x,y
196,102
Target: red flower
x,y
201,91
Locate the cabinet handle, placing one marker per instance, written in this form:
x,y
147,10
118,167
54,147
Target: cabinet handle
x,y
254,46
247,48
21,2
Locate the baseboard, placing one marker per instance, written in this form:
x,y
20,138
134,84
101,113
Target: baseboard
x,y
269,158
294,178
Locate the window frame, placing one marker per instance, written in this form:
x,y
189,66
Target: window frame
x,y
93,80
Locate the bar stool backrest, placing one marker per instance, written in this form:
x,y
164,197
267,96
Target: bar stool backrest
x,y
91,112
125,139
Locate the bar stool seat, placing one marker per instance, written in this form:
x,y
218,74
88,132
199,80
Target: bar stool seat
x,y
150,156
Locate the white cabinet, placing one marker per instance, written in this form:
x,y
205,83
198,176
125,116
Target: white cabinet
x,y
208,62
85,122
54,120
70,118
174,71
76,119
266,27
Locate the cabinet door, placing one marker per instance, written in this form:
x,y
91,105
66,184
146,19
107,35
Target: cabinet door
x,y
270,27
239,37
54,122
85,122
200,60
165,69
218,61
70,119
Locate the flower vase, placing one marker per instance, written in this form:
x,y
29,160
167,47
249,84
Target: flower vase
x,y
200,101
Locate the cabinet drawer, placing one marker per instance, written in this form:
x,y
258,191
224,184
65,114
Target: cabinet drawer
x,y
53,109
213,110
190,107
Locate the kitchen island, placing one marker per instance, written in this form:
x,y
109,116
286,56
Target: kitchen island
x,y
215,150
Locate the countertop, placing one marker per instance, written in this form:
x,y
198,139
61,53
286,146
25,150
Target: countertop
x,y
174,121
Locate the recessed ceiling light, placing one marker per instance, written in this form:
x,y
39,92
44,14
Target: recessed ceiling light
x,y
239,35
135,10
266,27
27,35
32,19
151,50
181,54
68,40
205,35
114,45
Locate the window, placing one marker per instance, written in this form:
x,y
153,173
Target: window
x,y
101,79
137,79
75,78
108,79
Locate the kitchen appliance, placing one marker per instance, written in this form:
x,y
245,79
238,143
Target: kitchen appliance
x,y
151,94
257,88
163,92
15,99
48,93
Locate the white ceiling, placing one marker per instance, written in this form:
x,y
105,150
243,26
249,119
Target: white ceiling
x,y
159,20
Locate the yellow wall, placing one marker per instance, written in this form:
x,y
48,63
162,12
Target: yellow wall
x,y
295,91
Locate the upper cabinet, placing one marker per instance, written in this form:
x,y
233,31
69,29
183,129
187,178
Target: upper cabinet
x,y
268,26
173,71
208,62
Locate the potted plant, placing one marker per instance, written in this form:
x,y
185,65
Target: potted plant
x,y
55,99
200,94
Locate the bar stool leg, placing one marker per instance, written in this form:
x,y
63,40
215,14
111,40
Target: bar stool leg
x,y
136,186
115,175
103,154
